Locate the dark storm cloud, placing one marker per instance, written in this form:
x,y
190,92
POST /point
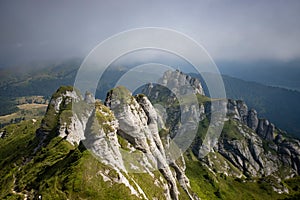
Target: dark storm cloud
x,y
230,30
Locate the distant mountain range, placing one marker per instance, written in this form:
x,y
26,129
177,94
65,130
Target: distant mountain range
x,y
277,104
283,74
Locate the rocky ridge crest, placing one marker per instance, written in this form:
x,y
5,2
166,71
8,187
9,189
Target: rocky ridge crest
x,y
122,133
248,146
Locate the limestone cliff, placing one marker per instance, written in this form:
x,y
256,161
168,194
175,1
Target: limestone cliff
x,y
130,134
122,133
248,146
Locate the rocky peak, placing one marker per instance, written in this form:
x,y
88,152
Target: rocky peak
x,y
252,120
122,133
138,124
60,120
89,98
177,82
173,83
248,145
247,142
238,110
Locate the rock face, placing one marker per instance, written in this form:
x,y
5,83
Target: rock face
x,y
138,124
248,147
101,138
89,98
177,82
173,84
172,88
122,133
265,129
130,134
60,120
252,120
238,110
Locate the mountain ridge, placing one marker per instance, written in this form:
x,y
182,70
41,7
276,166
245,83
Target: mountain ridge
x,y
266,100
57,164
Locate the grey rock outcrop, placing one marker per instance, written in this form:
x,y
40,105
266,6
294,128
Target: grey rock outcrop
x,y
101,137
289,152
178,94
102,129
252,120
124,134
173,84
177,82
238,110
265,129
254,151
253,156
249,148
89,98
243,110
60,120
137,120
232,109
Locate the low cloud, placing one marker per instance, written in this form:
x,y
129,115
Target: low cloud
x,y
229,30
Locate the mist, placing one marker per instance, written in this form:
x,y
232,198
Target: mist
x,y
229,30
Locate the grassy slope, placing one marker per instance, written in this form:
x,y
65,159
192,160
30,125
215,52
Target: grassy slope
x,y
58,171
62,171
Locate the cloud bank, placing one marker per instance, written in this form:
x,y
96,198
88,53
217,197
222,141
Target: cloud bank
x,y
229,30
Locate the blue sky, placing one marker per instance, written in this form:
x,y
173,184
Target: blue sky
x,y
229,30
